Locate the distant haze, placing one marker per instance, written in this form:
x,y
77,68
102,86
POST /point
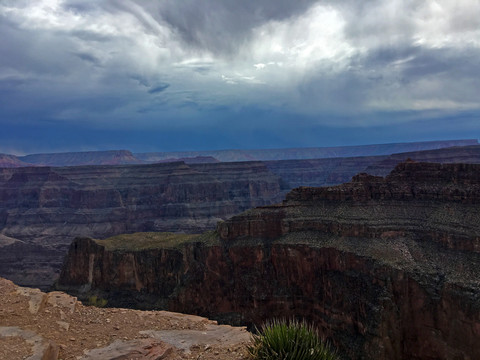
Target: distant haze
x,y
124,157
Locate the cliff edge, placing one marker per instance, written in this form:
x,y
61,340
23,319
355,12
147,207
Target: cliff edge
x,y
387,268
50,326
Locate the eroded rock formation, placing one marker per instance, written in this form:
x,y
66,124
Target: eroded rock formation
x,y
43,208
388,268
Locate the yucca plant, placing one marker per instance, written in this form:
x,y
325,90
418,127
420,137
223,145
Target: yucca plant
x,y
289,340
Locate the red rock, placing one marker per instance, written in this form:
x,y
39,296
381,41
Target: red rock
x,y
386,268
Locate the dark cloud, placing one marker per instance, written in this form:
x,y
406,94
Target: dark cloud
x,y
90,36
222,27
239,66
158,88
88,58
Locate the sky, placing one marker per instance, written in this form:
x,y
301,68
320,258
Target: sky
x,y
166,75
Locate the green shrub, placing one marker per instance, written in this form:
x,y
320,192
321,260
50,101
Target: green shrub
x,y
289,340
96,301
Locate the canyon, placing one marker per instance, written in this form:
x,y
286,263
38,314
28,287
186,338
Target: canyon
x,y
386,267
43,208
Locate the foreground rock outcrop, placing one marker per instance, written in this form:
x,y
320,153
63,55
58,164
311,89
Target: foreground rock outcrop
x,y
388,268
50,326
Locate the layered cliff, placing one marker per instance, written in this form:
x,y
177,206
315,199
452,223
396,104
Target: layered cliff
x,y
43,208
388,268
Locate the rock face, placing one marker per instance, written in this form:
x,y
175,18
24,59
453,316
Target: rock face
x,y
388,268
42,209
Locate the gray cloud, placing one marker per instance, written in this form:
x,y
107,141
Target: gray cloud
x,y
88,58
326,62
158,88
222,27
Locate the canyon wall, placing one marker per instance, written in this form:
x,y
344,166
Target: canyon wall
x,y
44,208
387,268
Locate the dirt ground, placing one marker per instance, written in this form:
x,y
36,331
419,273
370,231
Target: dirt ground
x,y
57,326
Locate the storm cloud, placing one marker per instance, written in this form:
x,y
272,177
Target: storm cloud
x,y
250,66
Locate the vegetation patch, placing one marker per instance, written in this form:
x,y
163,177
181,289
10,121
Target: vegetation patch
x,y
96,301
155,240
289,340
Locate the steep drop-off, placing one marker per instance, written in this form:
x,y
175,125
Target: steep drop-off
x,y
388,268
44,208
47,207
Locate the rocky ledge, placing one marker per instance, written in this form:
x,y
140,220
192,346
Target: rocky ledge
x,y
50,326
387,268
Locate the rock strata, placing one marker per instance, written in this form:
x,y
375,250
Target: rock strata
x,y
387,268
43,208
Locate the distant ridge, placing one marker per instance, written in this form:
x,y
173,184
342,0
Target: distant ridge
x,y
309,153
457,154
11,161
126,157
110,157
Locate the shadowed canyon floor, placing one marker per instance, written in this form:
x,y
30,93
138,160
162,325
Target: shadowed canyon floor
x,y
51,326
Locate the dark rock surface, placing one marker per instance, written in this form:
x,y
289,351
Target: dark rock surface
x,y
44,208
388,268
192,160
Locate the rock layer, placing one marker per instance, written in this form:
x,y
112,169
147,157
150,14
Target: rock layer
x,y
388,268
44,208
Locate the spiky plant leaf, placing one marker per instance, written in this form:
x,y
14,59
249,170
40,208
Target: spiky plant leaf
x,y
289,340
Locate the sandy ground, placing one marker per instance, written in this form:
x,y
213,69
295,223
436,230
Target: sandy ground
x,y
44,326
